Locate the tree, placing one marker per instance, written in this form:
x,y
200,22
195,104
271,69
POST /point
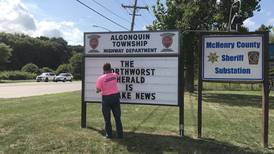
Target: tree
x,y
263,28
31,68
64,68
46,69
42,51
76,63
5,53
271,38
223,12
192,15
268,28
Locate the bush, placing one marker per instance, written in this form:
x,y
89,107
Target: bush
x,y
46,69
31,68
64,68
76,63
16,75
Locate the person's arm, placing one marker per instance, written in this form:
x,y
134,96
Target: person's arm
x,y
98,85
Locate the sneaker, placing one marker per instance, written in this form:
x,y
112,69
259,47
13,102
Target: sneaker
x,y
107,137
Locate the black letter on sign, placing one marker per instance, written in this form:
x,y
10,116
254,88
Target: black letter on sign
x,y
129,87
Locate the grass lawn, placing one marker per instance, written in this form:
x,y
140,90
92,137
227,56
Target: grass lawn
x,y
51,124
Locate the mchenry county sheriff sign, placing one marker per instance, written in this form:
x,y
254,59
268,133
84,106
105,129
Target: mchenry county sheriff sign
x,y
147,64
232,57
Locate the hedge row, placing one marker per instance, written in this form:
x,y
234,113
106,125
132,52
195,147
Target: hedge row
x,y
16,75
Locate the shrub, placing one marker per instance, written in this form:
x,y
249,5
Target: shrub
x,y
76,63
16,75
64,68
30,67
46,69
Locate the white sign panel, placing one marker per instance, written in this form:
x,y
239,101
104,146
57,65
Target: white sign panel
x,y
131,43
232,57
145,80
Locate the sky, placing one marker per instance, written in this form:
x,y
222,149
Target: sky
x,y
70,19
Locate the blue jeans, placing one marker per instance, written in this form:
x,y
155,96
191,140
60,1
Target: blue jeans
x,y
112,103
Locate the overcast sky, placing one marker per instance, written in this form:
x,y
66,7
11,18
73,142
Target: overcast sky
x,y
69,19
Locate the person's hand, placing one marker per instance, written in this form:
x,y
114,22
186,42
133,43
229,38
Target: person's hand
x,y
98,90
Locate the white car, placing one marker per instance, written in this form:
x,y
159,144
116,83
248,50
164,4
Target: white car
x,y
47,76
63,77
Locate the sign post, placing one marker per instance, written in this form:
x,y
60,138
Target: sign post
x,y
147,64
235,57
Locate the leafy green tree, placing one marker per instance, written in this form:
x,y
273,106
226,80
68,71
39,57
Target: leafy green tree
x,y
268,29
42,51
223,12
5,53
64,68
46,69
193,16
76,63
264,28
31,68
271,38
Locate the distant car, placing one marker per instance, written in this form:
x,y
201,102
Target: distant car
x,y
63,77
47,76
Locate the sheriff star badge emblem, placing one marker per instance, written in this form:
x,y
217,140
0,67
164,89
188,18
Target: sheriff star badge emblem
x,y
213,57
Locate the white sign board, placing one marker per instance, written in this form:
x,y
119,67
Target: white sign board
x,y
147,80
124,43
232,57
147,64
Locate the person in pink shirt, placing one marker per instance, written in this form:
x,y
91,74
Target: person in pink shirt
x,y
106,84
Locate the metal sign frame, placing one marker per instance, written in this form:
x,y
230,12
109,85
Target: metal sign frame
x,y
265,83
180,85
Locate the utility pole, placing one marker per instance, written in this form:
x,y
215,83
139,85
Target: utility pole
x,y
134,7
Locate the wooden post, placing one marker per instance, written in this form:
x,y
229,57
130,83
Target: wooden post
x,y
181,88
200,88
83,104
265,93
84,115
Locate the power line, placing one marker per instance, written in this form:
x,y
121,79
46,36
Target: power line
x,y
149,8
126,10
134,7
101,15
110,11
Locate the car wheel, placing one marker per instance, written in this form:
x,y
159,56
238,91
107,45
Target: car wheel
x,y
46,80
37,80
64,80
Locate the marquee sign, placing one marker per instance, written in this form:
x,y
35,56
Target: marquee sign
x,y
147,64
232,57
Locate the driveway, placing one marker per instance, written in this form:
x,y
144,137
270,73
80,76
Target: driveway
x,y
15,90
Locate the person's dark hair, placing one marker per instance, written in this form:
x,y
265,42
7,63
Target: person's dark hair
x,y
107,67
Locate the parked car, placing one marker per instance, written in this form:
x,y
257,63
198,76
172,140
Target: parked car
x,y
47,76
63,77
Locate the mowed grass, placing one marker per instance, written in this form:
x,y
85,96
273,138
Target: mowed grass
x,y
51,124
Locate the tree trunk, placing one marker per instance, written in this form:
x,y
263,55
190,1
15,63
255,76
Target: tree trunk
x,y
189,59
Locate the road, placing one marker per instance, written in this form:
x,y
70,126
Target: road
x,y
15,90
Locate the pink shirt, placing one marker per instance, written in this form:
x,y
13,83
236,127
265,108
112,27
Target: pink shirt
x,y
107,83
